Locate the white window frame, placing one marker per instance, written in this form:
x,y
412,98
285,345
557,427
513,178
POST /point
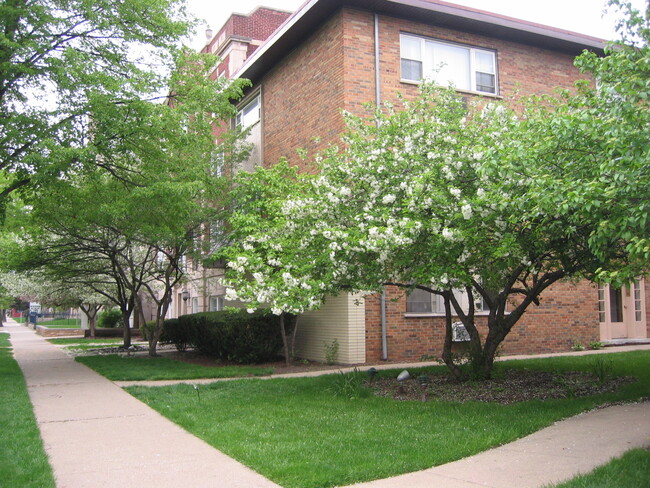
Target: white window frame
x,y
216,303
437,305
431,66
249,113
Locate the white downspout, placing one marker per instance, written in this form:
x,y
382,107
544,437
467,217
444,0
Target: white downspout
x,y
384,341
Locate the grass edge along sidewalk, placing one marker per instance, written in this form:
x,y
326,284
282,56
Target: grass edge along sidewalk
x,y
134,368
24,463
271,425
632,470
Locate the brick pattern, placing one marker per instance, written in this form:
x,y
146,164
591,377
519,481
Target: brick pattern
x,y
567,313
302,96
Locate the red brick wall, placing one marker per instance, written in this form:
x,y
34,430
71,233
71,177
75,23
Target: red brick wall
x,y
567,313
522,69
302,96
260,24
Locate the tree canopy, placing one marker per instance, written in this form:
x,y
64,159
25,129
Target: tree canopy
x,y
70,74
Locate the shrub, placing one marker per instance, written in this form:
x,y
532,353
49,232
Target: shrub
x,y
172,333
110,319
235,335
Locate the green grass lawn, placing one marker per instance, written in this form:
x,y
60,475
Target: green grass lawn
x,y
98,341
123,368
631,470
297,433
24,463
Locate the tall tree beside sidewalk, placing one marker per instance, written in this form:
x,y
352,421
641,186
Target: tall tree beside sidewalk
x,y
264,263
135,226
63,62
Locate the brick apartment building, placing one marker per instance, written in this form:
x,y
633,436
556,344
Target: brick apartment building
x,y
339,54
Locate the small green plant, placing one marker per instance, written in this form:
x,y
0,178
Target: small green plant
x,y
110,319
349,385
428,357
577,346
602,368
596,345
331,351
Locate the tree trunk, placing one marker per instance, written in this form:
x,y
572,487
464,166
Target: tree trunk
x,y
285,343
293,337
127,330
447,355
3,317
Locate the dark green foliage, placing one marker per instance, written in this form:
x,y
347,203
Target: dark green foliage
x,y
172,333
110,319
235,335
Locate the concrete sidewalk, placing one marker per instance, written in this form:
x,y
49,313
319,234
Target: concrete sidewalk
x,y
97,435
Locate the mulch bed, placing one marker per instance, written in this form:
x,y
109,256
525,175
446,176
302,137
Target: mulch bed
x,y
511,387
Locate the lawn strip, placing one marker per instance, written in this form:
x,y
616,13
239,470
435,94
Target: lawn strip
x,y
297,433
140,368
24,463
632,470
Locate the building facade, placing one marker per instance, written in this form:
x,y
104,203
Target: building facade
x,y
334,55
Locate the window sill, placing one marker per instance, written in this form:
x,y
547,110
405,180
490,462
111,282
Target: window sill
x,y
412,315
466,92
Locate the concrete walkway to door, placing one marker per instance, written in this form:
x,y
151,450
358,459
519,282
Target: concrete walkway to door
x,y
96,435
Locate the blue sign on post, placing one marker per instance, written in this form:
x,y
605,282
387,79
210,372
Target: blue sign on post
x,y
32,317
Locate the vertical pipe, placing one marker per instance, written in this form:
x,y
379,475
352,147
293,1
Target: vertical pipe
x,y
384,341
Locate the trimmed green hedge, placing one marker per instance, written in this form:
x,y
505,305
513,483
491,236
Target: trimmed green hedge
x,y
229,335
171,333
236,335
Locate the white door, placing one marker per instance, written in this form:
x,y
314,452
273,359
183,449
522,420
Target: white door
x,y
622,311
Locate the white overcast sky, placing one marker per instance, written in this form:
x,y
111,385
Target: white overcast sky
x,y
584,16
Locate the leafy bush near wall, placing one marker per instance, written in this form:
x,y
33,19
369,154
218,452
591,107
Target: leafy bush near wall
x,y
236,335
110,319
172,333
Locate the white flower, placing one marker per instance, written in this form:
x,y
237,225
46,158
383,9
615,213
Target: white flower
x,y
455,192
231,294
466,210
447,234
388,199
250,310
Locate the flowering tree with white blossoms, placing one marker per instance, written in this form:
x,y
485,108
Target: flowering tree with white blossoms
x,y
411,200
265,262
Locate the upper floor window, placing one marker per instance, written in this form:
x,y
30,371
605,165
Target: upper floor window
x,y
249,114
466,68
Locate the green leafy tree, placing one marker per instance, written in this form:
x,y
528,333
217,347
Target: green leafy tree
x,y
264,263
132,226
67,68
